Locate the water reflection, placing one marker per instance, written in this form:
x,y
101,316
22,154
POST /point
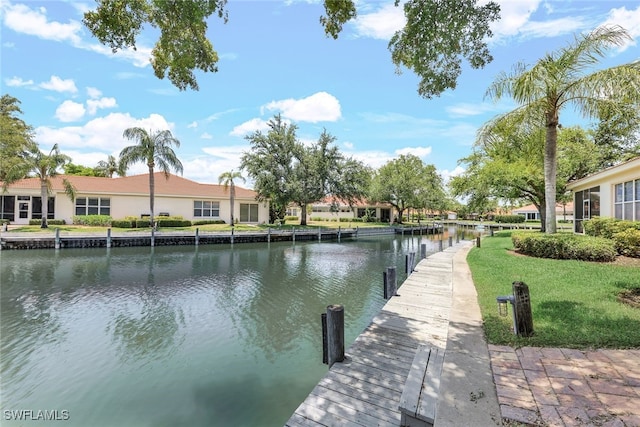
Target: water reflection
x,y
174,335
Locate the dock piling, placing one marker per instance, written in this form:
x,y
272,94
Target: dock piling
x,y
335,334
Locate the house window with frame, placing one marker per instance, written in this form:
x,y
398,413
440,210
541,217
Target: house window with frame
x,y
93,206
248,212
36,208
206,209
626,202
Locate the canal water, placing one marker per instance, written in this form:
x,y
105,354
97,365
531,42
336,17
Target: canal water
x,y
214,335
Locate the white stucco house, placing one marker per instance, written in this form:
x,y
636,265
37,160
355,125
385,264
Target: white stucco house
x,y
613,192
129,196
530,212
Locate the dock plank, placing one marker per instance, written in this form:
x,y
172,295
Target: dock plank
x,y
365,389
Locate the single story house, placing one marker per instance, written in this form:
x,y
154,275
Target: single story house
x,y
613,192
530,212
333,210
129,196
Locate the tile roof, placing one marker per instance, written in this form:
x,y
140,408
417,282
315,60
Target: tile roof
x,y
175,186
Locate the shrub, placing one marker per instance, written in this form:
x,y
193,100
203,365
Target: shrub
x,y
607,227
627,242
208,221
142,223
173,222
92,220
49,222
564,246
291,218
123,223
509,219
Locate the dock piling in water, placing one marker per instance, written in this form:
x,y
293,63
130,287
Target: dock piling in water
x,y
335,334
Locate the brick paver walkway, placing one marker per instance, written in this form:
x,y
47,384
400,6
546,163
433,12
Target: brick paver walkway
x,y
563,387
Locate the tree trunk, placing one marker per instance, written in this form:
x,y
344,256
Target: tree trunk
x,y
550,166
151,194
232,197
44,193
303,215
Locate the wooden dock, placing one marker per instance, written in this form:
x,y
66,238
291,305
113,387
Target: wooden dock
x,y
365,389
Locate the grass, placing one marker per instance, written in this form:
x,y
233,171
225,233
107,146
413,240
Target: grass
x,y
574,303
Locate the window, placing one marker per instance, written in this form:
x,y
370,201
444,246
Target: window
x,y
626,202
248,212
206,209
8,207
93,206
36,208
587,205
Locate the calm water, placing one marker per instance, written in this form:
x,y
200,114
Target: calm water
x,y
167,336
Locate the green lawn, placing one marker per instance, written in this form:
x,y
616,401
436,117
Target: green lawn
x,y
573,302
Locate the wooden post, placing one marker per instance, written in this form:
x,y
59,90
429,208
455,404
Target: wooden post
x,y
423,251
232,235
522,310
293,235
339,233
462,237
57,239
323,320
385,285
392,285
269,235
357,229
450,241
407,262
153,236
319,234
197,236
457,236
491,232
335,334
109,237
478,241
440,244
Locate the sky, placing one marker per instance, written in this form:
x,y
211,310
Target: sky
x,y
275,59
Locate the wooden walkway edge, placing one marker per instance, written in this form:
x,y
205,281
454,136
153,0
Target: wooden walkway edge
x,y
365,389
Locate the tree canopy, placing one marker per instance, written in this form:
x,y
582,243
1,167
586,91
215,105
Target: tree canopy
x,y
437,35
566,78
406,182
16,139
285,170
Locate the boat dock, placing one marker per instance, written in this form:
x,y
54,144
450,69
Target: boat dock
x,y
365,389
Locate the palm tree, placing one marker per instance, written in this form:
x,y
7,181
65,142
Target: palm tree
x,y
109,167
45,167
226,179
561,79
153,148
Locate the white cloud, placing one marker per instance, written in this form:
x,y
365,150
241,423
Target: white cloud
x,y
416,151
102,133
207,169
22,19
18,82
206,136
93,92
513,16
627,19
192,125
250,127
319,107
348,145
381,24
104,102
447,175
55,83
70,111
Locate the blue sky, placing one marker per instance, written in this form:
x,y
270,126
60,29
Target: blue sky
x,y
275,58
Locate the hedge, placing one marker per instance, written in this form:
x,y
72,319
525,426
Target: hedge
x,y
92,220
173,223
627,242
509,219
208,221
123,223
564,246
607,227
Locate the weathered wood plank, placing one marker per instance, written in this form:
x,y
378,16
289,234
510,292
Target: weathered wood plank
x,y
365,407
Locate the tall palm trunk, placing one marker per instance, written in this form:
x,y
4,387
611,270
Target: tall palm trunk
x,y
152,186
232,199
550,167
44,193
